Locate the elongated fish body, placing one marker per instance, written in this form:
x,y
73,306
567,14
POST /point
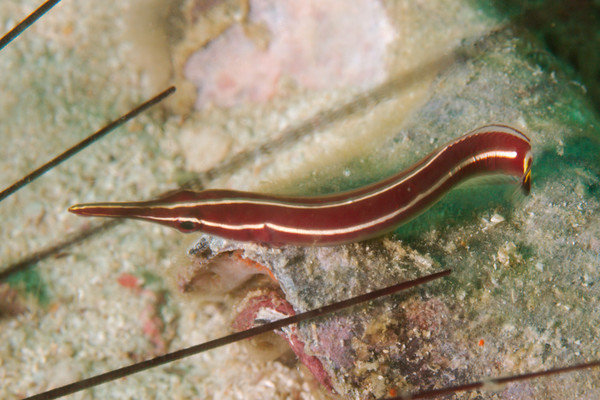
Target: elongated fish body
x,y
340,218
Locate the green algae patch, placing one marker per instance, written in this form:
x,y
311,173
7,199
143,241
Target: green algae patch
x,y
30,283
568,30
458,207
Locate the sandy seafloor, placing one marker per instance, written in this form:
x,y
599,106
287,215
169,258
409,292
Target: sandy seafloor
x,y
532,298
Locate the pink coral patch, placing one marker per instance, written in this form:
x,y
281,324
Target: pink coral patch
x,y
128,281
260,305
318,45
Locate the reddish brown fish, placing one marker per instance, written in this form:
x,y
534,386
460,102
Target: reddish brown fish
x,y
340,218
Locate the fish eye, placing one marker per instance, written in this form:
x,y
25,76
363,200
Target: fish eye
x,y
526,185
186,225
527,163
